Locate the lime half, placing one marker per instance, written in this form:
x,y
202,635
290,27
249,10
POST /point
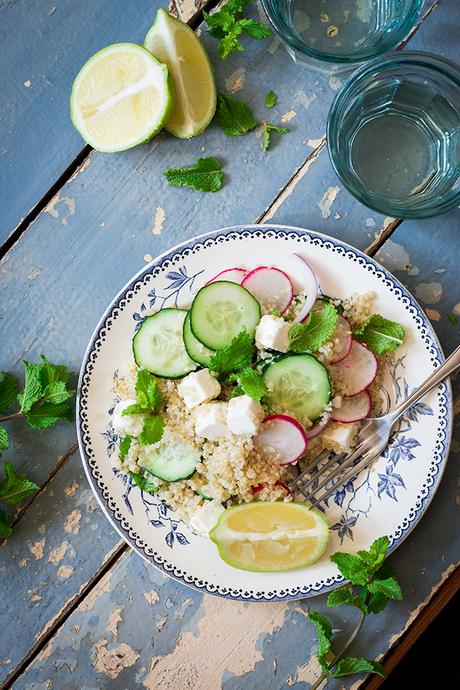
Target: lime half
x,y
177,46
120,98
270,537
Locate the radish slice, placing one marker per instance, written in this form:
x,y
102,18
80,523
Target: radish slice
x,y
358,370
317,429
310,287
353,409
260,487
343,334
271,287
231,275
284,436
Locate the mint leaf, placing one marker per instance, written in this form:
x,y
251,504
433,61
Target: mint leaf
x,y
143,483
351,664
388,587
236,392
135,408
310,336
266,134
234,116
251,383
270,99
255,29
377,603
341,597
152,431
8,387
148,391
51,373
4,440
204,176
5,529
123,448
324,635
48,413
57,392
351,567
376,554
452,318
16,487
233,357
380,335
32,386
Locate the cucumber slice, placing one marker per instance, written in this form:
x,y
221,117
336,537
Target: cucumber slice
x,y
158,345
220,311
172,460
298,385
196,350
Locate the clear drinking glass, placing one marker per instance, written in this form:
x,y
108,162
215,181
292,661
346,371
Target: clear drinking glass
x,y
394,134
336,35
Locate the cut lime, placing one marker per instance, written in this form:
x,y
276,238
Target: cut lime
x,y
120,98
270,537
177,46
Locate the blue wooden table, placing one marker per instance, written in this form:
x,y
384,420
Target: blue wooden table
x,y
78,608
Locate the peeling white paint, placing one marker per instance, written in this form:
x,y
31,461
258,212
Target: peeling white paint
x,y
57,554
65,571
115,618
152,597
36,549
235,81
33,274
314,143
72,524
305,99
370,223
429,293
327,200
148,258
287,117
335,83
159,220
433,314
71,488
51,208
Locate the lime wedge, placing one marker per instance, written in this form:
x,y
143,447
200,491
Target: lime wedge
x,y
177,46
270,537
120,98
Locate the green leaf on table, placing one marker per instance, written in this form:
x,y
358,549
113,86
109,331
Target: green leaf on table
x,y
452,318
144,483
351,567
270,99
152,430
16,487
377,602
5,529
340,597
251,383
57,392
266,134
380,334
255,29
389,587
4,439
376,554
233,357
317,330
204,176
32,386
234,116
123,448
351,664
52,373
47,413
324,635
228,24
8,387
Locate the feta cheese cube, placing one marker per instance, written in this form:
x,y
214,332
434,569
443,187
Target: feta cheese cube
x,y
198,387
129,424
211,422
244,415
339,437
273,333
206,517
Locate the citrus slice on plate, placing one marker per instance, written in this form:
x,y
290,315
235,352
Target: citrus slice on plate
x,y
120,98
177,46
270,537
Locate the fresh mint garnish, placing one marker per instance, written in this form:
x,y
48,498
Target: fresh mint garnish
x,y
271,99
152,430
204,176
233,357
317,330
251,383
234,116
143,483
229,23
380,335
16,487
266,134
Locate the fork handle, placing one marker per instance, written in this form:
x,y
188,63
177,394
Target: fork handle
x,y
446,369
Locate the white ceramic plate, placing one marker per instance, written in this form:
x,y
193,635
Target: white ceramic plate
x,y
390,499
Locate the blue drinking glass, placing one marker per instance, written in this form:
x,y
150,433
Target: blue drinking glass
x,y
333,35
393,134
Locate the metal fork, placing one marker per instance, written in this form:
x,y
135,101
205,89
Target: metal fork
x,y
372,440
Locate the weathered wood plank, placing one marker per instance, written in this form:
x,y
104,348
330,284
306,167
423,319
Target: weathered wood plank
x,y
42,47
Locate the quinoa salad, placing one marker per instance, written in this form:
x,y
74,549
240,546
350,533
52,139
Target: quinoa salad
x,y
225,402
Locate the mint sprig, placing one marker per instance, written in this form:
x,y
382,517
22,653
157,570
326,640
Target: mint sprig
x,y
380,334
8,387
148,394
233,357
16,487
251,383
372,585
152,430
234,116
271,99
143,483
266,134
229,23
317,330
204,176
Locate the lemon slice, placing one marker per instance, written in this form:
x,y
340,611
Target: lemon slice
x,y
269,537
120,98
177,46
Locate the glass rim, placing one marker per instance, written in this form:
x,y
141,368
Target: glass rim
x,y
431,63
292,41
